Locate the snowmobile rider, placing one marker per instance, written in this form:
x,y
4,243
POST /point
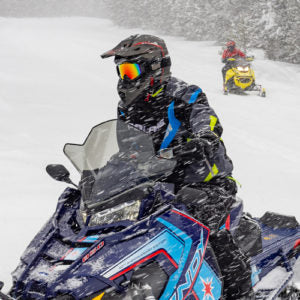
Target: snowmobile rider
x,y
178,117
230,52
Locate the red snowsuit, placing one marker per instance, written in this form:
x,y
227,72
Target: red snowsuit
x,y
236,52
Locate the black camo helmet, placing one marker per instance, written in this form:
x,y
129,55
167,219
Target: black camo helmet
x,y
150,52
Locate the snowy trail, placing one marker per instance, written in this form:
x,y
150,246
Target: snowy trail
x,y
54,88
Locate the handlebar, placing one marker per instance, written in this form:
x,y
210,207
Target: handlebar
x,y
233,59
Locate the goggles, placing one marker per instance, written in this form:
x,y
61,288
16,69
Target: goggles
x,y
132,71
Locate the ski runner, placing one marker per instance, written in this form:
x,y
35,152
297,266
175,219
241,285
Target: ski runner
x,y
180,120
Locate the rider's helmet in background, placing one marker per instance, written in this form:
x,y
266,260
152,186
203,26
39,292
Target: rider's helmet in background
x,y
230,45
143,65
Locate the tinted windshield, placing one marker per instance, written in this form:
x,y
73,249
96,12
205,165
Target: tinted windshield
x,y
115,157
240,61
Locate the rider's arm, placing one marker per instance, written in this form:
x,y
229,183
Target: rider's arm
x,y
224,57
241,54
205,124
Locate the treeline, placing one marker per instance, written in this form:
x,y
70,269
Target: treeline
x,y
272,25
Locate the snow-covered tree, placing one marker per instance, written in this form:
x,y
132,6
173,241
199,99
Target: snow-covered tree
x,y
272,25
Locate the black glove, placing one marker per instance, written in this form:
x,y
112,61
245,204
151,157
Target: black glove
x,y
192,149
199,147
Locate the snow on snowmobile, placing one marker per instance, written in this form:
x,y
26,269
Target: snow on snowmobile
x,y
122,233
240,77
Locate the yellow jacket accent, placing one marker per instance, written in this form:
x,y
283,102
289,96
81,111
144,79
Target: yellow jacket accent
x,y
213,122
214,171
157,92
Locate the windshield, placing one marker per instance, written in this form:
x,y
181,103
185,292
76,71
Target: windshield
x,y
241,61
114,158
100,144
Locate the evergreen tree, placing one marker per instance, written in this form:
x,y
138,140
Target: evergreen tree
x,y
283,41
272,25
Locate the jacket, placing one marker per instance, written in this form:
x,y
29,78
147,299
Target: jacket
x,y
178,113
236,52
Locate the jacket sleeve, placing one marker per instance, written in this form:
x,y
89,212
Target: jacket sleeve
x,y
241,54
224,56
205,124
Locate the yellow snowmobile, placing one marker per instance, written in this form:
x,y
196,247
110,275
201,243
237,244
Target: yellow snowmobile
x,y
240,77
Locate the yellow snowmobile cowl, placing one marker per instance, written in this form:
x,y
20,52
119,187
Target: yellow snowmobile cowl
x,y
229,74
240,77
243,77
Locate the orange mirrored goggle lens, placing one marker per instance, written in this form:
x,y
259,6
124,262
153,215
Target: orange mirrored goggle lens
x,y
131,70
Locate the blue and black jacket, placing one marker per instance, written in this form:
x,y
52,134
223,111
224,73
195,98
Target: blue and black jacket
x,y
174,115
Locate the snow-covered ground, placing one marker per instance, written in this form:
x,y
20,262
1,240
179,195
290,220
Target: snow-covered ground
x,y
54,87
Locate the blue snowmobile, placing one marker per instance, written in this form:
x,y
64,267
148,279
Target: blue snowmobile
x,y
122,233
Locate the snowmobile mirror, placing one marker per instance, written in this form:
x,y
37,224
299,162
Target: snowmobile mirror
x,y
59,173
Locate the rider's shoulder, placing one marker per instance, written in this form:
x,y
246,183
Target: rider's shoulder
x,y
175,87
179,89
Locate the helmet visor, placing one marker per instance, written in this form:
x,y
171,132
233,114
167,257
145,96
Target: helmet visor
x,y
132,71
230,48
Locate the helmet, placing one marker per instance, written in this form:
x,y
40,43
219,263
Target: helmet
x,y
230,45
143,64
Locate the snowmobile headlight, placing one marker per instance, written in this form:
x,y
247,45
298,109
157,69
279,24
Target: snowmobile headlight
x,y
243,69
125,211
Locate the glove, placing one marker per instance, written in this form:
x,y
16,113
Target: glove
x,y
192,149
203,145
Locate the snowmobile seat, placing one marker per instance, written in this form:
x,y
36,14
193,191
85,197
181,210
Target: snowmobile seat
x,y
277,221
